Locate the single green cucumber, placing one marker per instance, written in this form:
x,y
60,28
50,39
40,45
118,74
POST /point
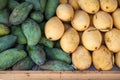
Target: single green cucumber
x,y
56,65
37,54
57,54
42,5
24,64
7,42
50,9
20,13
9,57
31,31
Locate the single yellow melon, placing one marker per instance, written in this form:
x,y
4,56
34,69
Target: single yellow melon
x,y
90,6
81,58
70,40
65,12
92,39
81,20
103,59
54,29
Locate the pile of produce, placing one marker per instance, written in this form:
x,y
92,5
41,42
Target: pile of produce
x,y
59,34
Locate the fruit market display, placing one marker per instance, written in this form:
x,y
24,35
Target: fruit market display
x,y
59,34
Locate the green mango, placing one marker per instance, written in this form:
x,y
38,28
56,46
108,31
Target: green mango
x,y
24,64
4,16
17,31
57,54
13,4
4,30
20,13
36,4
42,5
9,57
37,54
7,42
37,16
31,31
56,65
50,9
3,3
46,42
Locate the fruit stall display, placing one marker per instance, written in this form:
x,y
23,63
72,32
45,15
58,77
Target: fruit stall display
x,y
59,35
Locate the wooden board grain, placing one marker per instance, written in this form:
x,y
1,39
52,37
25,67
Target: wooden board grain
x,y
59,75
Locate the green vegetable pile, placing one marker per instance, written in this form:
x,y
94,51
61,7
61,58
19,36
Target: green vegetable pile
x,y
23,44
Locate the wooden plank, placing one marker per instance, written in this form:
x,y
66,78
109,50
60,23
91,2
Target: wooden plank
x,y
59,75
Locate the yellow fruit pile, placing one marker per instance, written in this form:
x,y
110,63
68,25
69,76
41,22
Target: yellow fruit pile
x,y
90,30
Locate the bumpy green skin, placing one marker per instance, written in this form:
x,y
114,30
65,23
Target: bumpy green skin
x,y
31,31
7,42
25,64
12,4
9,57
51,8
57,54
46,42
3,3
42,5
35,3
4,30
20,13
37,54
56,65
17,31
37,16
4,16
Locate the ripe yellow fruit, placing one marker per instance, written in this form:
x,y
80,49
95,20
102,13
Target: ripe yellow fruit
x,y
70,40
112,40
92,39
81,58
90,6
65,12
103,21
116,18
103,59
108,5
74,4
54,29
81,20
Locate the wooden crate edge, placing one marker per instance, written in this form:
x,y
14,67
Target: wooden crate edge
x,y
59,75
